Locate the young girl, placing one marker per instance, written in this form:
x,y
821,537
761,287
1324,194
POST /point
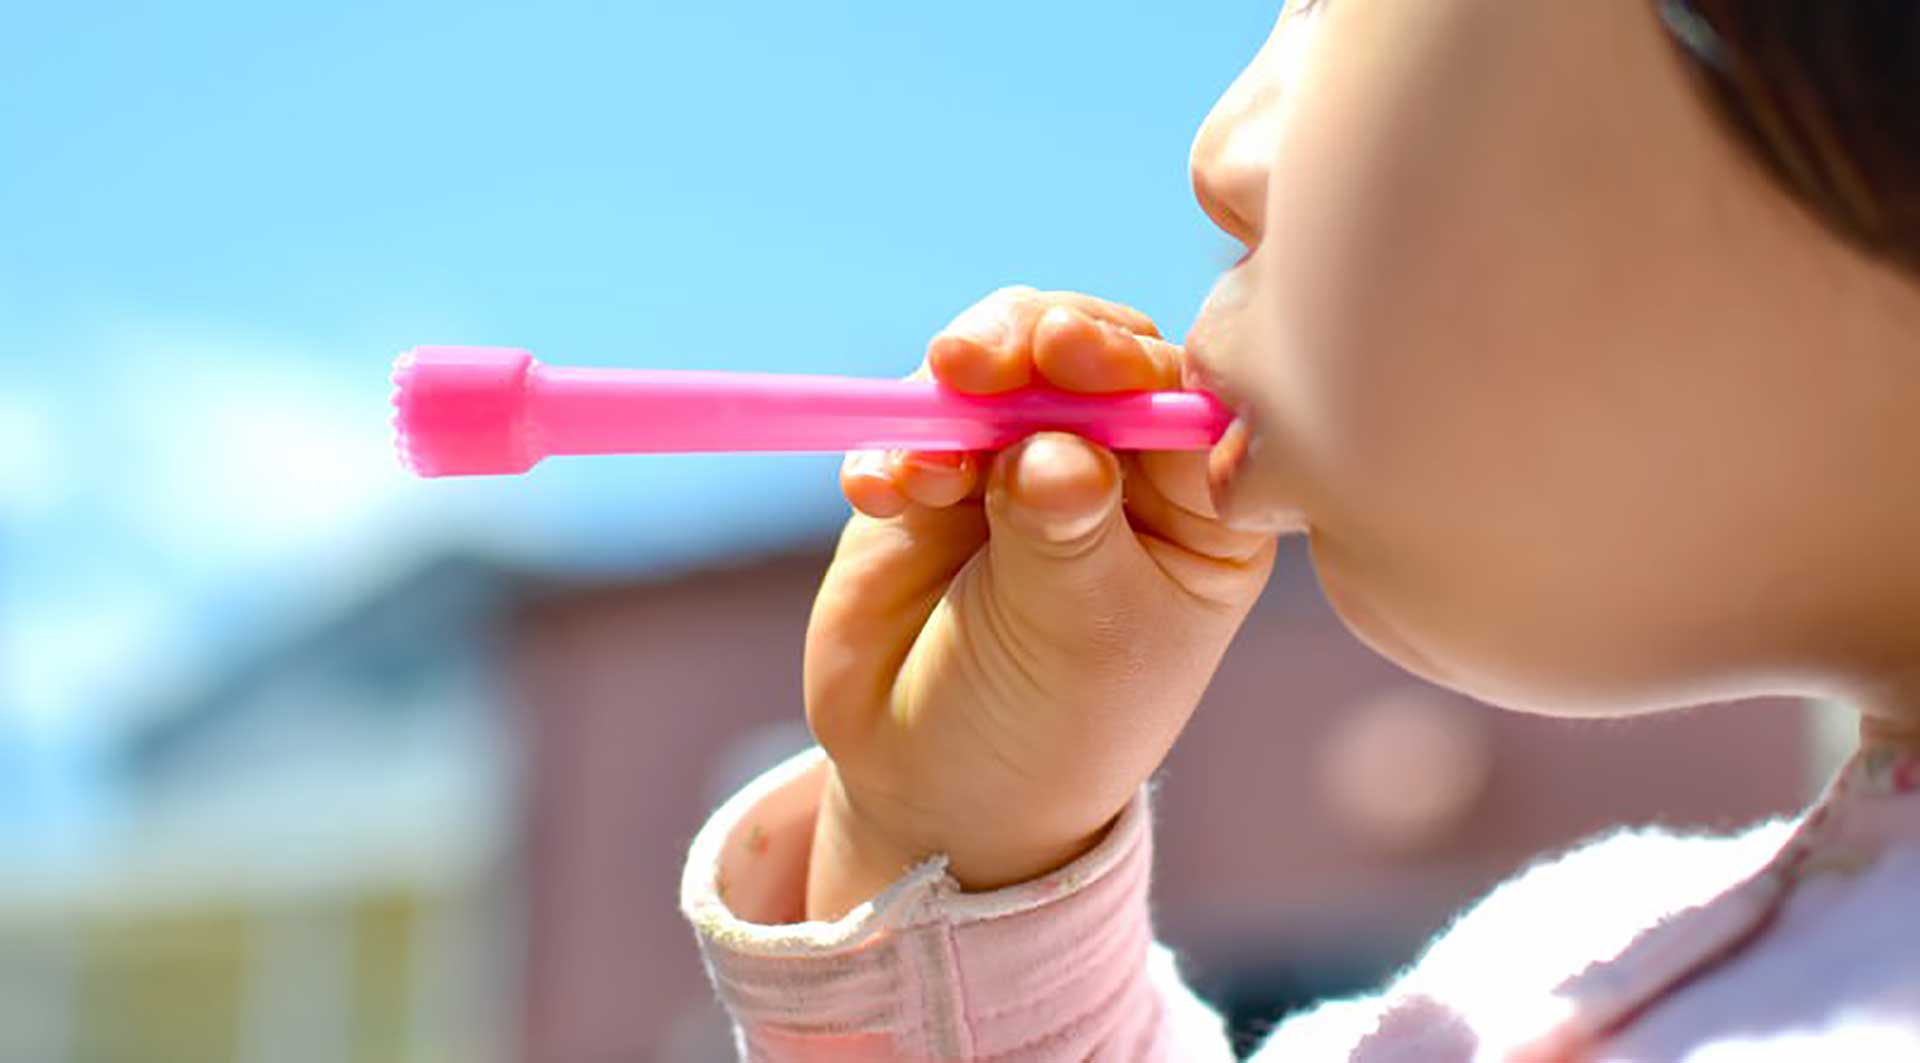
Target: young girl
x,y
1582,340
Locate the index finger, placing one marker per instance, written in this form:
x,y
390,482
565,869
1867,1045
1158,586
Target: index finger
x,y
1077,352
990,347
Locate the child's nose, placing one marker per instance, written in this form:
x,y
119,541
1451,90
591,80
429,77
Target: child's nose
x,y
1234,150
1230,175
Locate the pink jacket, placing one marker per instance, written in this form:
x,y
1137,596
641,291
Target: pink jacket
x,y
1790,942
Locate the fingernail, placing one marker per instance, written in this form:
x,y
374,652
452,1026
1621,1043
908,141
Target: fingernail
x,y
937,460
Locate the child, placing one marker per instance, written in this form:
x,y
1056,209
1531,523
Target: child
x,y
1583,342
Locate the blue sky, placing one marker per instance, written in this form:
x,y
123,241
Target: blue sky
x,y
219,221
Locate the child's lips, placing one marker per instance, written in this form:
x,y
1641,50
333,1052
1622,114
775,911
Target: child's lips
x,y
1228,460
1229,453
1237,499
1224,462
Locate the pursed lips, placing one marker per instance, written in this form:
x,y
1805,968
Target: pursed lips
x,y
1200,372
1199,369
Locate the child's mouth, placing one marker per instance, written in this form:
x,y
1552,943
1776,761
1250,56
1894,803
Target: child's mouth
x,y
1224,462
1228,459
1229,453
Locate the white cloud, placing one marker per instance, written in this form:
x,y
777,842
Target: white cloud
x,y
183,464
254,452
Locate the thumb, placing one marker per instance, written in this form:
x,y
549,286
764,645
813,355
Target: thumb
x,y
1059,540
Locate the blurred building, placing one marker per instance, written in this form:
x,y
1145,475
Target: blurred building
x,y
315,861
447,823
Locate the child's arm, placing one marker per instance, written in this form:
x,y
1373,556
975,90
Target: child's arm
x,y
999,657
997,660
1062,967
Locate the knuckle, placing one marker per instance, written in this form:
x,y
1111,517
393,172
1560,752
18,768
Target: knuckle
x,y
1162,352
1135,322
1002,300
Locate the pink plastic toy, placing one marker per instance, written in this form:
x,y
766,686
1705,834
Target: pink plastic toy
x,y
464,411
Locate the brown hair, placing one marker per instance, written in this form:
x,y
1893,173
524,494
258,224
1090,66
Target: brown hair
x,y
1828,93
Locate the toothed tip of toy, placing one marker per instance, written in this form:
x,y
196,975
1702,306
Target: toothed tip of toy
x,y
400,399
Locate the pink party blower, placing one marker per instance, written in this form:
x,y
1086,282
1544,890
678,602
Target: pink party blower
x,y
466,411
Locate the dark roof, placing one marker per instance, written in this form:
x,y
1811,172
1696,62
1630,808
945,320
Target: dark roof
x,y
447,598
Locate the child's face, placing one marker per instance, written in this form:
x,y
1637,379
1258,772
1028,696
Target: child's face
x,y
1531,346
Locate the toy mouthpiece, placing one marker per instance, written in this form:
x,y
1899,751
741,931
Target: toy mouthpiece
x,y
463,410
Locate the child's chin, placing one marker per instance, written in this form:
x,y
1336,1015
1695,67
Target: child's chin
x,y
1532,684
1372,628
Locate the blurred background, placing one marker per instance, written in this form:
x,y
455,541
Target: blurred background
x,y
304,761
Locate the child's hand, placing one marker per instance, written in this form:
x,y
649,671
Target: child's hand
x,y
993,677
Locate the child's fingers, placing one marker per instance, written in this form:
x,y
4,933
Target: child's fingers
x,y
984,350
867,479
1151,511
885,581
936,479
1078,352
989,347
1180,476
1107,310
1048,500
883,483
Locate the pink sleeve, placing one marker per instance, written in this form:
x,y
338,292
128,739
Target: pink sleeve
x,y
1063,967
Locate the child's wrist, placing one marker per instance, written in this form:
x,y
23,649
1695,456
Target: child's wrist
x,y
859,850
853,857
